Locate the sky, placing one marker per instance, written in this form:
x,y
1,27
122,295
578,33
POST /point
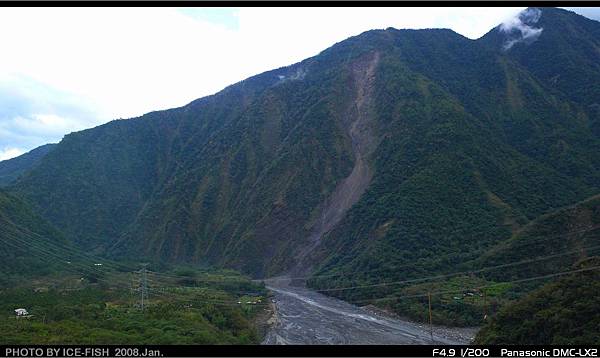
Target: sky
x,y
67,69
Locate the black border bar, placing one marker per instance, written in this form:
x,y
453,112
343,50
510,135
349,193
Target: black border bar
x,y
299,351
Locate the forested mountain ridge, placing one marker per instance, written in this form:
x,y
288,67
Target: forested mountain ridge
x,y
11,169
564,54
467,142
510,150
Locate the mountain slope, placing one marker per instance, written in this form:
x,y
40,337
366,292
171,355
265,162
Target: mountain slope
x,y
562,312
532,256
11,169
479,149
20,231
417,147
179,184
565,55
574,229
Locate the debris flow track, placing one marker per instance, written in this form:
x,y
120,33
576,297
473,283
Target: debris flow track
x,y
303,316
359,128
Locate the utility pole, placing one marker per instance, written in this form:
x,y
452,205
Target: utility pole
x,y
144,284
132,291
583,254
430,317
484,306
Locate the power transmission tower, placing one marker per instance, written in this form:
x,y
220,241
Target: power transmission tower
x,y
144,285
132,290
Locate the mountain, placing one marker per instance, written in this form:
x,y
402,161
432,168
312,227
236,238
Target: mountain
x,y
564,54
230,178
418,148
450,186
28,243
561,312
11,169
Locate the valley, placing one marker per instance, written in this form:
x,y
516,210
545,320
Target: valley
x,y
395,178
307,317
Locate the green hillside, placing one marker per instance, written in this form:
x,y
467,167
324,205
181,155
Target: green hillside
x,y
73,297
506,271
574,229
478,150
21,233
561,312
408,152
183,306
212,181
564,56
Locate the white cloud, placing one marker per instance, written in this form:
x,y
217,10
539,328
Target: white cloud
x,y
44,124
589,12
90,65
8,153
520,27
32,113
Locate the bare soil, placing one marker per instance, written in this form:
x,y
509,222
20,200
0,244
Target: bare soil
x,y
359,128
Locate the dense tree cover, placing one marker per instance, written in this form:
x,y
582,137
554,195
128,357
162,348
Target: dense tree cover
x,y
20,229
561,312
476,147
550,244
230,179
565,236
568,66
74,297
197,311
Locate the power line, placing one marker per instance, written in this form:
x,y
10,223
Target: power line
x,y
196,278
144,284
412,264
50,257
50,254
446,275
77,253
72,266
456,273
480,287
48,249
73,250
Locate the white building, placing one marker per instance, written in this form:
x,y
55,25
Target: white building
x,y
21,312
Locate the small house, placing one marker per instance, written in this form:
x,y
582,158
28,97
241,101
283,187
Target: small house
x,y
21,312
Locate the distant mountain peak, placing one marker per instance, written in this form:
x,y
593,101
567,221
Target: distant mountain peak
x,y
522,28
